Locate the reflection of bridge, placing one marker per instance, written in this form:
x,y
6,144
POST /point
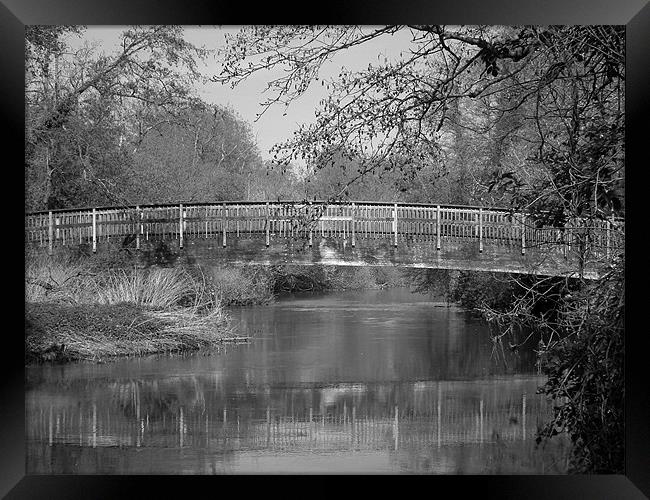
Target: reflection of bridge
x,y
432,414
352,233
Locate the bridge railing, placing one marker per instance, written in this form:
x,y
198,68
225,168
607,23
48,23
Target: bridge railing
x,y
398,223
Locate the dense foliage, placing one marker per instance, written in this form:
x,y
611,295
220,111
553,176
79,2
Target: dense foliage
x,y
585,368
127,127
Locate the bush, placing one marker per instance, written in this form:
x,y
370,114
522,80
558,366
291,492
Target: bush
x,y
585,375
242,285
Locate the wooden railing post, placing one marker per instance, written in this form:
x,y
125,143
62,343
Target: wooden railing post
x,y
138,227
352,223
94,230
223,223
268,224
480,230
237,219
395,224
206,222
180,225
50,234
438,227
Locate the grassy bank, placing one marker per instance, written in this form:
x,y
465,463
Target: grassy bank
x,y
76,309
79,307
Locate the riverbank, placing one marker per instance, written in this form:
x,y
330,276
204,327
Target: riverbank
x,y
87,308
59,333
77,309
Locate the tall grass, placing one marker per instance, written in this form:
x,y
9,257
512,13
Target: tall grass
x,y
74,304
61,280
154,288
76,281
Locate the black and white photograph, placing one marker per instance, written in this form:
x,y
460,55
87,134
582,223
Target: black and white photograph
x,y
325,249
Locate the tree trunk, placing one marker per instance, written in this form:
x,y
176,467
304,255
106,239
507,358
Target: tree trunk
x,y
47,184
460,193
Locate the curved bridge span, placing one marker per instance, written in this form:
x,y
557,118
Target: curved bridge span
x,y
346,233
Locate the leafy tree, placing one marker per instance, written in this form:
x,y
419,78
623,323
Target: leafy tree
x,y
206,153
273,184
154,66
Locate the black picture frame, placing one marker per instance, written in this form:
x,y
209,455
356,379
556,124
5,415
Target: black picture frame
x,y
635,14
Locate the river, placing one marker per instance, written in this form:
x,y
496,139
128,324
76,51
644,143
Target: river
x,y
379,381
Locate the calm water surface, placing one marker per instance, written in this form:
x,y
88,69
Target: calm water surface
x,y
374,381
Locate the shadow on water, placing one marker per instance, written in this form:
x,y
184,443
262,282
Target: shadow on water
x,y
378,381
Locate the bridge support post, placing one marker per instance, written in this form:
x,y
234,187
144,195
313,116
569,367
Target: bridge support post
x,y
480,230
180,225
94,230
50,233
438,227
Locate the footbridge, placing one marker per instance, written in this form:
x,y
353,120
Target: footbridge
x,y
343,233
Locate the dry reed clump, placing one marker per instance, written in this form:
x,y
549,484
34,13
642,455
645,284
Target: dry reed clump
x,y
57,332
77,282
157,288
63,280
75,311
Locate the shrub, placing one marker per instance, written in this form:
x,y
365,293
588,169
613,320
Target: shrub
x,y
585,375
242,285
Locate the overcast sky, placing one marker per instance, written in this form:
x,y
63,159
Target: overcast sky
x,y
272,127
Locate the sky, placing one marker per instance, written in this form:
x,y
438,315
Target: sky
x,y
273,127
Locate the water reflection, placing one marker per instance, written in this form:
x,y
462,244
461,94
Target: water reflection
x,y
372,382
